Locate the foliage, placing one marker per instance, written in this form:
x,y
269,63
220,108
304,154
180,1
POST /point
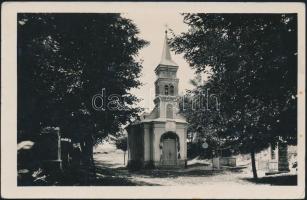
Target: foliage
x,y
252,61
121,143
64,60
195,149
202,110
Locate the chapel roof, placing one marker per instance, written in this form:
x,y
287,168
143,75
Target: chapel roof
x,y
166,58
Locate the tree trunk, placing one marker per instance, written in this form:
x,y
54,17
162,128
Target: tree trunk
x,y
124,157
88,168
254,164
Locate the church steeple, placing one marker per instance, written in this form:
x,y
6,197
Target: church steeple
x,y
166,84
166,58
166,71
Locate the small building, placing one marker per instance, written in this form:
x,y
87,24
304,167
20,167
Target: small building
x,y
159,138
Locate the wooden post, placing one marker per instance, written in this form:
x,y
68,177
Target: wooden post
x,y
51,148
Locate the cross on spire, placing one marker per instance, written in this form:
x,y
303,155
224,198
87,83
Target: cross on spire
x,y
166,58
166,27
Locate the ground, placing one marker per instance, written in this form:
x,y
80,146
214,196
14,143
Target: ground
x,y
110,170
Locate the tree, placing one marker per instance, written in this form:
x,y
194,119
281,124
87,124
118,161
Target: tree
x,y
66,59
253,61
122,144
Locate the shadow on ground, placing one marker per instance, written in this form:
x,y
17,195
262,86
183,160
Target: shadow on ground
x,y
110,173
108,176
275,180
163,173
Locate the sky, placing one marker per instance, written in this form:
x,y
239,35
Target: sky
x,y
152,28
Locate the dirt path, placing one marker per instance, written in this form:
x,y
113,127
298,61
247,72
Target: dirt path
x,y
110,170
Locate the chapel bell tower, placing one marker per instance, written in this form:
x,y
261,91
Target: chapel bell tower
x,y
166,85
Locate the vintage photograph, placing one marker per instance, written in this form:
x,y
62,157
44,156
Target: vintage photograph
x,y
81,83
157,99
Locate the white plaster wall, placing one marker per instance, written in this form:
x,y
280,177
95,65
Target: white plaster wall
x,y
159,129
146,143
130,138
182,137
153,143
162,109
185,142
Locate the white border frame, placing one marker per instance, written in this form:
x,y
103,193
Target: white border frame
x,y
9,104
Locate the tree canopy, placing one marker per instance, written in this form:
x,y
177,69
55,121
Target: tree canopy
x,y
252,62
64,60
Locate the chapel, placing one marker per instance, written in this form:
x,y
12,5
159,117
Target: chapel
x,y
159,138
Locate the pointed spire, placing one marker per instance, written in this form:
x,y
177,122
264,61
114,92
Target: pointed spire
x,y
166,58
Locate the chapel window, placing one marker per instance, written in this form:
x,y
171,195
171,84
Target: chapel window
x,y
166,90
171,90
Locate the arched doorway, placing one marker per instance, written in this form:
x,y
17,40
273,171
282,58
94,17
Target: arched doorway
x,y
169,145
